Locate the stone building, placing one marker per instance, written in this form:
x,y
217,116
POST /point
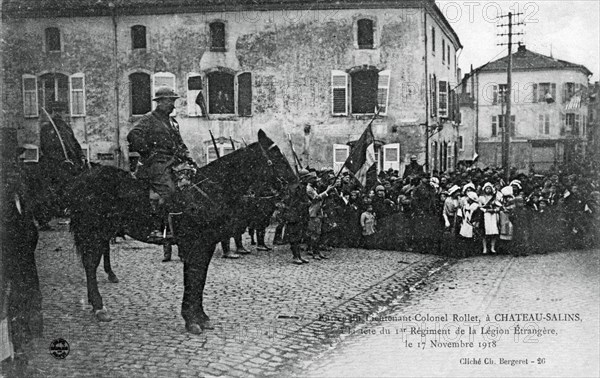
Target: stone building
x,y
548,118
312,72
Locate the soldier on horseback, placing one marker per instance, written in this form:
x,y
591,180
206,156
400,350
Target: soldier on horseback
x,y
157,139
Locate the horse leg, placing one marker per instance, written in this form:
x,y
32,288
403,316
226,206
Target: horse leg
x,y
91,260
112,277
195,269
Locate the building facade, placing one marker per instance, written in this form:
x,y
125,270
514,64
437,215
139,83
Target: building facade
x,y
310,72
549,114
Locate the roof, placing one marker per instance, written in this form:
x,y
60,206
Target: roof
x,y
527,60
67,8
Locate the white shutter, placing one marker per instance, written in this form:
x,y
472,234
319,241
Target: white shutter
x,y
383,91
194,87
31,153
339,93
161,79
391,156
340,154
77,93
30,96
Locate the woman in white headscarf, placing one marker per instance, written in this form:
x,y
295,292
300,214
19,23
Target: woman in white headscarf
x,y
467,227
490,207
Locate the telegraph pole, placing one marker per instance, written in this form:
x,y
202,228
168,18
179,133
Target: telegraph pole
x,y
506,126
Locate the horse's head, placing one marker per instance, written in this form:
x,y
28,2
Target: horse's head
x,y
282,173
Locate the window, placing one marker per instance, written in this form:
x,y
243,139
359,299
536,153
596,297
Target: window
x,y
244,94
77,89
365,34
443,51
52,39
448,57
364,91
569,90
194,88
443,99
577,125
544,124
220,93
546,92
433,40
141,94
502,93
340,154
391,156
433,89
450,157
570,123
217,36
138,37
461,143
501,124
339,93
224,149
31,153
163,79
30,96
54,87
369,90
494,126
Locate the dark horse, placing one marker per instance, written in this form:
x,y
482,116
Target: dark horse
x,y
108,199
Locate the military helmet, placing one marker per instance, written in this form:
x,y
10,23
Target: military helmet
x,y
164,92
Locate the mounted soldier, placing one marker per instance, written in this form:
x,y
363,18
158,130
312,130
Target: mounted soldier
x,y
157,139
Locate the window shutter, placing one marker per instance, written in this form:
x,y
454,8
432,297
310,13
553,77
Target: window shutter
x,y
563,124
244,94
383,91
391,156
535,93
513,126
161,79
194,87
433,90
339,93
443,99
541,124
340,154
577,124
494,94
553,90
77,90
494,126
30,96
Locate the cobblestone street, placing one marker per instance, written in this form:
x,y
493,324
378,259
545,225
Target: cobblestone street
x,y
555,284
269,314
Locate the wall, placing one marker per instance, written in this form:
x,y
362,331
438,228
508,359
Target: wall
x,y
289,53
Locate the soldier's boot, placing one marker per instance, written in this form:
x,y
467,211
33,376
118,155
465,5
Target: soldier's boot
x,y
239,246
297,258
227,253
260,241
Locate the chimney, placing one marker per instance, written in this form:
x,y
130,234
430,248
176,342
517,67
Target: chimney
x,y
521,47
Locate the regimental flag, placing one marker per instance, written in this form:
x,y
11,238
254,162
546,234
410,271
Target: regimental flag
x,y
362,156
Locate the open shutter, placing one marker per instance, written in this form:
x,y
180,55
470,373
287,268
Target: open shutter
x,y
494,94
161,79
77,92
553,91
433,89
534,95
194,87
541,124
391,156
339,93
340,154
30,96
443,99
244,94
383,91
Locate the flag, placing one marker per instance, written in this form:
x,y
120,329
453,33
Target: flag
x,y
574,102
362,156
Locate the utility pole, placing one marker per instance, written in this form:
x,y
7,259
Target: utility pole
x,y
506,126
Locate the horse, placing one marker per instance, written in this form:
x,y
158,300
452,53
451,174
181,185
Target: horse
x,y
107,199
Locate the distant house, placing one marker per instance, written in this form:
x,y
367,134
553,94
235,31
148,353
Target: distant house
x,y
549,114
313,70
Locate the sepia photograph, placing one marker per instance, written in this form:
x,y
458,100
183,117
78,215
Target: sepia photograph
x,y
299,188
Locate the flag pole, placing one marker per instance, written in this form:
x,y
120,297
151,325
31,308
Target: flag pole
x,y
232,144
297,164
215,144
370,123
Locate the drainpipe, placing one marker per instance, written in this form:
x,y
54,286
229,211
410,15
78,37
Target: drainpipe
x,y
113,9
426,91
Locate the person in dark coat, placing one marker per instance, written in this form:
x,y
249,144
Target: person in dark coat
x,y
413,169
295,215
157,139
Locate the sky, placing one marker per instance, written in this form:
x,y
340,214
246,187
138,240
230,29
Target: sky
x,y
569,30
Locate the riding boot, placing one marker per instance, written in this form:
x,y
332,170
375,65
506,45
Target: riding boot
x,y
158,215
251,232
227,254
297,259
239,246
278,237
260,240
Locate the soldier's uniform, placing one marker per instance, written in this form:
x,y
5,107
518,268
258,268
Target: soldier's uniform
x,y
296,217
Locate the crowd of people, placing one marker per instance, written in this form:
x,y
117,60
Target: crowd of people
x,y
463,213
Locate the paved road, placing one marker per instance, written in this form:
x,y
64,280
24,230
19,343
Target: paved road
x,y
244,298
556,284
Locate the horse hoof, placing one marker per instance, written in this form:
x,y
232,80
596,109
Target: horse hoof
x,y
207,324
113,278
193,328
102,315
